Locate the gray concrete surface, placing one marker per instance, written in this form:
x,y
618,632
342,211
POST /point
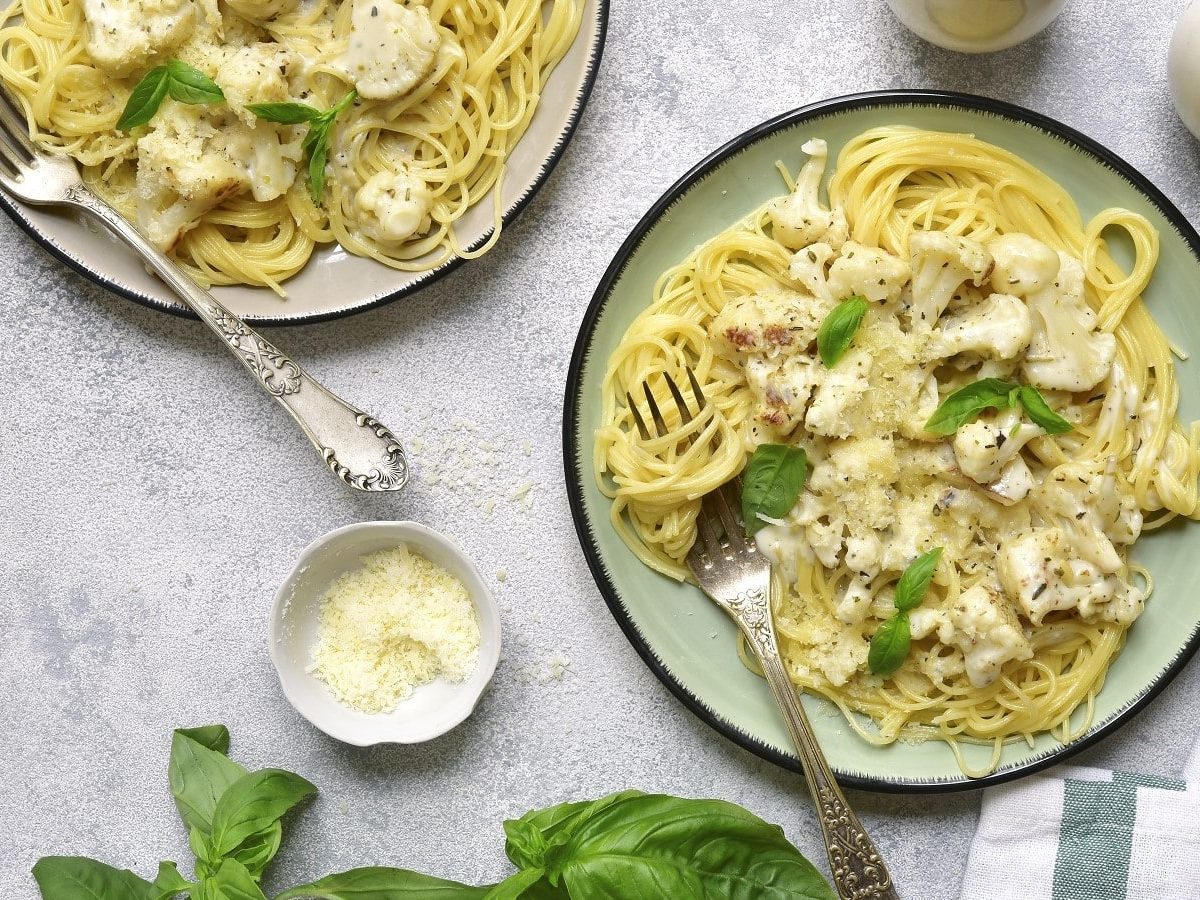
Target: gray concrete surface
x,y
151,499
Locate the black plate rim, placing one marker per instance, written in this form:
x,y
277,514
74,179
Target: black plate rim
x,y
571,413
15,212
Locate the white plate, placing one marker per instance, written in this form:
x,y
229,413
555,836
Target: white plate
x,y
336,283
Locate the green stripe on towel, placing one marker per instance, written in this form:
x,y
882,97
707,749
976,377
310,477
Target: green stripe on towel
x,y
1096,835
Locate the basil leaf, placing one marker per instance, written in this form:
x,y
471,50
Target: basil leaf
x,y
914,582
772,483
199,773
254,803
198,844
316,169
145,100
382,883
964,405
520,884
80,878
553,825
285,113
650,846
188,85
837,331
231,882
889,645
524,843
1041,414
214,737
259,849
169,883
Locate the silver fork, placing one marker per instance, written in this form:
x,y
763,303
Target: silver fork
x,y
737,577
358,449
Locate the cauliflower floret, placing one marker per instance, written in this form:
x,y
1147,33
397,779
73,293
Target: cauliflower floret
x,y
799,219
783,388
1080,492
984,448
828,649
924,621
253,74
862,558
1015,482
786,547
1065,353
987,632
1044,571
772,321
261,10
392,49
125,35
1024,266
808,268
393,206
940,265
185,168
868,272
998,328
839,394
926,403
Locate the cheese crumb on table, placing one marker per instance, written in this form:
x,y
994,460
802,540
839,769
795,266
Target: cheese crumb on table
x,y
396,623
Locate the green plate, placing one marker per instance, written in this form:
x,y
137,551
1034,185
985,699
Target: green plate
x,y
672,626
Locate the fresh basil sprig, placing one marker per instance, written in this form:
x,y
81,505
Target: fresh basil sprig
x,y
635,844
175,79
965,405
837,331
891,641
772,483
624,845
316,142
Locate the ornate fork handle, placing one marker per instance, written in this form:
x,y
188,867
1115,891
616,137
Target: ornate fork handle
x,y
357,448
858,870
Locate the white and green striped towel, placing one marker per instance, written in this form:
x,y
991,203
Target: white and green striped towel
x,y
1089,834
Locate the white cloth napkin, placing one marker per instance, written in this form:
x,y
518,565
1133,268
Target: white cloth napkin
x,y
1089,834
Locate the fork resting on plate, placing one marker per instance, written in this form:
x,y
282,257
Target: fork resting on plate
x,y
358,449
729,568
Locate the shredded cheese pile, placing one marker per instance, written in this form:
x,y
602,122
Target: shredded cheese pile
x,y
397,623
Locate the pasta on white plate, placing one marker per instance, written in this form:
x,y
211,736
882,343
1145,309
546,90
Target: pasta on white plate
x,y
1002,397
444,90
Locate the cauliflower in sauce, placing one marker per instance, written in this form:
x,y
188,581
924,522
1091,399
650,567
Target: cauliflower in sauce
x,y
1030,536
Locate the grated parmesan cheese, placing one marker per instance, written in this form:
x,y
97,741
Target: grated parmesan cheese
x,y
394,624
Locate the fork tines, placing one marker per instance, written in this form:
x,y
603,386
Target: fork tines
x,y
16,149
660,425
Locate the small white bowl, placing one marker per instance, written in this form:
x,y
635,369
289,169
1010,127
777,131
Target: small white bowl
x,y
434,708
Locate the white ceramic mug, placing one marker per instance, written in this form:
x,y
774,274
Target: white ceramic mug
x,y
1183,67
976,26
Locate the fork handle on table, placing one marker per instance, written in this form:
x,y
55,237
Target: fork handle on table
x,y
858,870
358,449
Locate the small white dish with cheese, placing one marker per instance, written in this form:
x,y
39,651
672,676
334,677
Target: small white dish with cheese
x,y
384,633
